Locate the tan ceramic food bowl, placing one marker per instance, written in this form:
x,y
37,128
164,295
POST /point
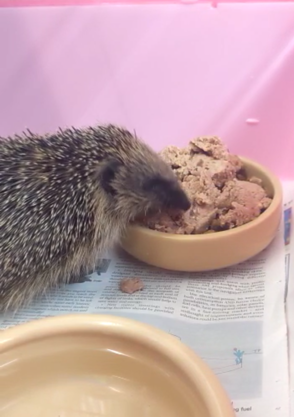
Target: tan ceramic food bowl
x,y
215,250
95,365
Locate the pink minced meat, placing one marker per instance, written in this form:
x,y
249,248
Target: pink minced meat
x,y
131,285
221,196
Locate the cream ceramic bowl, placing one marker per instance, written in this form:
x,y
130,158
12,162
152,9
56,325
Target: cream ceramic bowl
x,y
95,365
215,250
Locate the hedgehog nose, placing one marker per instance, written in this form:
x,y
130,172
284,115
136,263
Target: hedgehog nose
x,y
178,200
183,202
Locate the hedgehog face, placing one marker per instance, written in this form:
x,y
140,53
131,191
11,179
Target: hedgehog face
x,y
142,186
164,194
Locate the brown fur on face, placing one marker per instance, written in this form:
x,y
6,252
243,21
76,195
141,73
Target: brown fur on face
x,y
137,180
66,197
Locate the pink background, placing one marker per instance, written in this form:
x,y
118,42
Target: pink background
x,y
22,3
168,71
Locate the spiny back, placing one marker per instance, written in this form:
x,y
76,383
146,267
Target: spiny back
x,y
46,190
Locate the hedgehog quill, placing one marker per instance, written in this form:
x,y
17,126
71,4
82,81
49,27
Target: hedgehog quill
x,y
68,196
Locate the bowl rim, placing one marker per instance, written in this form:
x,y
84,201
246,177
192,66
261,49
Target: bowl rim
x,y
276,202
186,360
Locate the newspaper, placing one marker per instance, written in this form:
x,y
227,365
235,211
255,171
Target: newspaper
x,y
234,319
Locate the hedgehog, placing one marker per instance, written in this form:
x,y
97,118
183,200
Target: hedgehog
x,y
67,197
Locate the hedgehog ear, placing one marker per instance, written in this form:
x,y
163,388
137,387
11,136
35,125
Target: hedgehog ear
x,y
107,174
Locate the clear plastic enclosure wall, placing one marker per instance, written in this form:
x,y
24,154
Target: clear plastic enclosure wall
x,y
168,71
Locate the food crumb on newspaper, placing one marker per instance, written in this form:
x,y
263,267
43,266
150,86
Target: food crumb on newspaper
x,y
131,285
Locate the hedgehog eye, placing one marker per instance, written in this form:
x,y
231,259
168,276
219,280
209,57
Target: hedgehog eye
x,y
154,184
107,175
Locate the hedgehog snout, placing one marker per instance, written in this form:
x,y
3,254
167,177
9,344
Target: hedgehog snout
x,y
176,199
168,194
